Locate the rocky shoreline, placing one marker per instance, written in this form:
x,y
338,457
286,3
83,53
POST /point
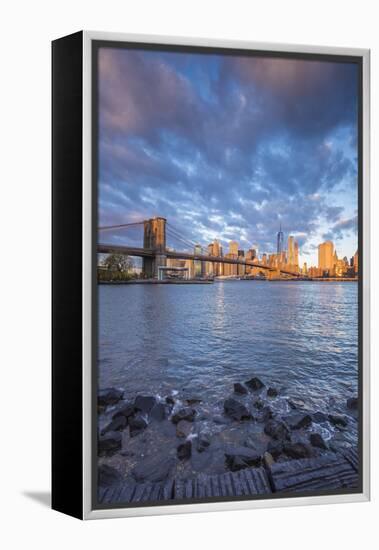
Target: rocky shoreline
x,y
157,440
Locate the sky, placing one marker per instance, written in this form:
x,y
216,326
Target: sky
x,y
229,147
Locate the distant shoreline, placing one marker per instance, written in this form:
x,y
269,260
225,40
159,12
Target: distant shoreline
x,y
199,282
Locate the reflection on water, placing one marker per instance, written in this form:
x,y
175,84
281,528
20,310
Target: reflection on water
x,y
301,336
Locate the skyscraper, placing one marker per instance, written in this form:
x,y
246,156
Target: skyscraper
x,y
326,256
291,250
279,241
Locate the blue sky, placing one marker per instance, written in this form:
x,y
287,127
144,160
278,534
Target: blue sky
x,y
229,147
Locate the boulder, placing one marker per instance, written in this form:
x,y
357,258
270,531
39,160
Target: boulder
x,y
236,410
192,400
317,441
153,469
184,450
183,428
109,396
144,403
116,424
136,425
272,392
337,420
239,458
240,388
352,403
184,414
109,443
203,442
158,412
319,417
297,450
298,421
277,429
267,413
275,449
125,409
259,404
170,400
107,476
254,384
295,403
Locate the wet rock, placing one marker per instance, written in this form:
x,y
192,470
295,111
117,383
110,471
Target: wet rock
x,y
236,410
219,420
267,413
184,414
352,403
144,403
109,396
275,449
184,450
297,450
136,425
193,400
170,400
108,476
298,421
183,428
319,417
109,443
296,403
317,441
337,420
125,409
241,457
254,384
158,412
277,429
272,392
154,469
240,388
259,404
118,423
203,442
268,460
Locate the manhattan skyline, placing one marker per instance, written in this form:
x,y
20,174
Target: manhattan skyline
x,y
230,147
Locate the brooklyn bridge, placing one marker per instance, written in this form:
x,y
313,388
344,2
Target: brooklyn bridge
x,y
155,252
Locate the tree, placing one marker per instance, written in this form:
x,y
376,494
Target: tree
x,y
118,262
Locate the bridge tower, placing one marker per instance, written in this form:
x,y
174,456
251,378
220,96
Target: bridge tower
x,y
154,238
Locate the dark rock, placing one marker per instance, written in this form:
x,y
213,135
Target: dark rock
x,y
144,403
183,428
352,403
219,420
241,457
240,388
158,412
275,448
184,414
277,429
109,443
184,450
272,392
267,413
203,442
297,450
254,384
109,396
319,417
153,469
170,400
193,400
236,410
125,409
296,403
136,425
118,423
337,420
317,441
259,404
298,421
108,476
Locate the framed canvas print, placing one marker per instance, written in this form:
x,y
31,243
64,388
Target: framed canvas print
x,y
210,275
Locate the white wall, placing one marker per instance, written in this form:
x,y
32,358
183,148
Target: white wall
x,y
27,28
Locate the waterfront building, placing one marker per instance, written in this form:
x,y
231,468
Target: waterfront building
x,y
241,268
355,263
279,241
305,269
326,256
199,267
296,256
291,250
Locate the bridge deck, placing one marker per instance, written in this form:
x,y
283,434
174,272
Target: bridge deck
x,y
329,472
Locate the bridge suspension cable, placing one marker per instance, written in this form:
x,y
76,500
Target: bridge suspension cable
x,y
176,234
119,226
